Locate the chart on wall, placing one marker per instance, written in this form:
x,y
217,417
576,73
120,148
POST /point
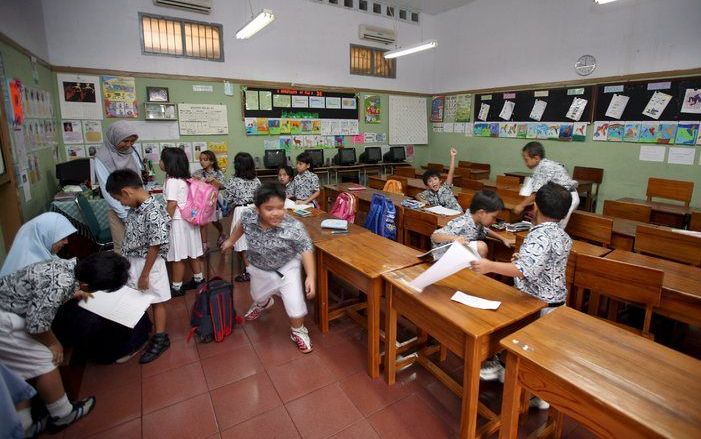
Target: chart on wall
x,y
197,119
408,120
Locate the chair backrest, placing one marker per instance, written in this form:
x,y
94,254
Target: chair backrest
x,y
621,281
629,211
584,173
464,164
695,222
405,171
420,223
481,166
465,199
89,217
507,182
668,244
435,167
590,227
465,173
670,189
472,185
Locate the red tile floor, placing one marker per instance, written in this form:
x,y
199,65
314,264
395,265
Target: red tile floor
x,y
255,384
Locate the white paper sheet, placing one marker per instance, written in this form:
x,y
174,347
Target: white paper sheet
x,y
526,187
474,301
300,102
124,306
616,106
576,109
656,105
448,127
681,155
538,109
440,210
507,110
455,259
484,111
692,101
652,153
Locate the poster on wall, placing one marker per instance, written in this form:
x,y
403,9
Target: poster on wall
x,y
15,86
92,131
373,109
221,151
198,119
80,96
437,105
464,108
120,96
72,132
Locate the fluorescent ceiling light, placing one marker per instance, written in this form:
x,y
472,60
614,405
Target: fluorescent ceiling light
x,y
603,2
411,49
264,18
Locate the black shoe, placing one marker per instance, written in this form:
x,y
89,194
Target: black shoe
x,y
80,409
177,292
158,344
192,284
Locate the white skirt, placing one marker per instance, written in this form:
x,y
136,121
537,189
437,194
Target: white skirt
x,y
241,245
185,241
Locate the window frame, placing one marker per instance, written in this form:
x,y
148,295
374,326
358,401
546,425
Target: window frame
x,y
181,22
373,69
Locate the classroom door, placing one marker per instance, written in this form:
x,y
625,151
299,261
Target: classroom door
x,y
10,211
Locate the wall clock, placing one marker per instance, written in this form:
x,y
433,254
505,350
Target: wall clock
x,y
585,65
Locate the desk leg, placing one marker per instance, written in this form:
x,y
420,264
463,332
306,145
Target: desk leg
x,y
323,300
374,296
510,405
390,339
470,389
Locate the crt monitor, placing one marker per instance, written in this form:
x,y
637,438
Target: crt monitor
x,y
396,154
78,171
274,158
345,156
372,154
317,156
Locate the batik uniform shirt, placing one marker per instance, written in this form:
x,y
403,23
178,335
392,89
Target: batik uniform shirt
x,y
305,185
442,197
204,175
36,291
239,191
547,171
144,227
463,226
542,260
290,189
270,249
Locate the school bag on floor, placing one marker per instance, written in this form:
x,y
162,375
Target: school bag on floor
x,y
345,207
213,315
201,202
380,219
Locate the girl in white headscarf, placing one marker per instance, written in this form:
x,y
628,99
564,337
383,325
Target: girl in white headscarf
x,y
117,153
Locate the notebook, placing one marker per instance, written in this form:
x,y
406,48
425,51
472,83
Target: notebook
x,y
335,224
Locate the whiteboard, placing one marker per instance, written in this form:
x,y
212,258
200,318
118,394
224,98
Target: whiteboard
x,y
408,120
202,119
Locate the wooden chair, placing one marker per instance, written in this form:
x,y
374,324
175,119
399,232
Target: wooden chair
x,y
592,174
472,185
590,227
464,173
629,211
677,190
668,244
465,199
464,164
695,222
418,224
435,167
511,183
405,171
483,167
619,281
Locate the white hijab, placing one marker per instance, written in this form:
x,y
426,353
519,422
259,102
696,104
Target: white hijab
x,y
111,156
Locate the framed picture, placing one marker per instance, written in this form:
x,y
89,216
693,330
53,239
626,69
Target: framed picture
x,y
160,111
157,94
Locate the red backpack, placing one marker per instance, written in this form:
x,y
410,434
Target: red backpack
x,y
345,207
201,202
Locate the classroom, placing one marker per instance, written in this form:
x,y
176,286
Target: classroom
x,y
350,218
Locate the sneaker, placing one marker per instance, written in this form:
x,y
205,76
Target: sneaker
x,y
538,403
177,292
243,277
127,357
36,428
491,370
158,344
80,409
192,284
256,310
300,336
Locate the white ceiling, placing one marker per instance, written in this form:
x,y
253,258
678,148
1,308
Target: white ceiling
x,y
429,6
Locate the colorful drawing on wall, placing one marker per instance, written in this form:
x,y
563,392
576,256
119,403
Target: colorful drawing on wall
x,y
373,109
306,126
251,126
274,127
615,132
566,131
437,105
508,129
286,143
295,126
285,126
686,133
580,132
481,129
631,132
553,131
463,112
692,101
666,132
521,130
316,126
151,151
262,126
494,129
647,132
15,86
601,129
120,96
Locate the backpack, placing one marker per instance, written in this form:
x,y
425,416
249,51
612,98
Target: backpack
x,y
345,207
394,186
201,202
213,313
380,219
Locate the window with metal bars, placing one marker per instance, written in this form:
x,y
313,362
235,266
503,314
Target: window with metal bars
x,y
370,61
181,38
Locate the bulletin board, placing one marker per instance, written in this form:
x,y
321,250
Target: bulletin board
x,y
408,116
558,103
343,112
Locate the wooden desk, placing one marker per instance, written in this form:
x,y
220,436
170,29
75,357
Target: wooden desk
x,y
488,184
316,233
623,236
361,261
473,334
615,383
518,174
330,192
415,185
665,214
681,286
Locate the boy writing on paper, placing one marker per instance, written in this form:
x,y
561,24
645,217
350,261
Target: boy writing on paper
x,y
473,227
439,194
146,239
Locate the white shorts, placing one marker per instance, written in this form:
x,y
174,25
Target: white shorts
x,y
19,351
241,245
185,241
266,283
575,202
158,285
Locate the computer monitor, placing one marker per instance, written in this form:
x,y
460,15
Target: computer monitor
x,y
274,158
372,154
345,157
317,156
78,171
396,154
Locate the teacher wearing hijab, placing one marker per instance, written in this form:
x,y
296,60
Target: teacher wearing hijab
x,y
117,153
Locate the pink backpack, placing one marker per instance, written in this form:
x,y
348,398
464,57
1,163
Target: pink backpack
x,y
201,202
345,207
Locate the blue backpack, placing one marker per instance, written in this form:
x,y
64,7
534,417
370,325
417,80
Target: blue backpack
x,y
380,219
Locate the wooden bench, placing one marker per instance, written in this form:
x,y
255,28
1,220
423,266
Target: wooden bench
x,y
668,244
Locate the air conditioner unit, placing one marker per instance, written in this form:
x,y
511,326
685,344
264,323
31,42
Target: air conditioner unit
x,y
377,34
201,6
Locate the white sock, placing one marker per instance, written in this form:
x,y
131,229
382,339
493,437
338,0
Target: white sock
x,y
60,408
25,416
301,329
199,277
176,285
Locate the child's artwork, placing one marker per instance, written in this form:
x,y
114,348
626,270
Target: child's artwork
x,y
481,129
692,101
617,106
647,132
338,141
295,126
666,132
151,151
251,126
262,126
463,112
687,132
553,131
437,105
484,111
274,127
298,142
521,130
631,132
615,132
75,152
538,131
494,129
656,105
507,110
566,131
92,131
284,126
508,129
538,109
306,126
580,132
576,109
316,126
601,129
286,142
308,141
